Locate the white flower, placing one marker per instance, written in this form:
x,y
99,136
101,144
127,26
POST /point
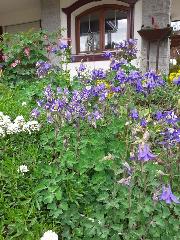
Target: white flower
x,y
24,104
49,235
4,121
2,124
91,219
19,120
109,157
88,88
19,125
23,169
146,136
171,130
127,123
12,128
2,132
31,126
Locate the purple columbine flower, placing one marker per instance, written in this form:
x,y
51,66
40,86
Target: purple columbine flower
x,y
98,74
127,168
125,181
168,196
48,92
43,68
35,113
107,54
59,90
97,115
66,91
49,119
134,114
115,65
176,135
121,76
63,45
39,63
152,81
171,136
144,153
116,89
176,81
58,105
170,117
40,103
54,50
82,68
159,115
143,122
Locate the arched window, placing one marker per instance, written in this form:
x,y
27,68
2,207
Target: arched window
x,y
101,27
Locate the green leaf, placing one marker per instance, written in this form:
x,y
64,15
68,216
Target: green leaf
x,y
49,198
58,195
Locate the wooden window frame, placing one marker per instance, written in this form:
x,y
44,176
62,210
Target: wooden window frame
x,y
101,9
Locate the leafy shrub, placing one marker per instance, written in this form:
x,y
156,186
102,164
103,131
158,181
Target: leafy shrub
x,y
22,52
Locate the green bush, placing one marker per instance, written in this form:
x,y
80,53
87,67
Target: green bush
x,y
21,53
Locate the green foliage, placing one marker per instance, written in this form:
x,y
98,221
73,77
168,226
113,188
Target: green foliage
x,y
27,48
73,189
74,183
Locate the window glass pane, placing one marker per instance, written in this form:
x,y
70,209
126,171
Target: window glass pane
x,y
89,33
115,27
176,26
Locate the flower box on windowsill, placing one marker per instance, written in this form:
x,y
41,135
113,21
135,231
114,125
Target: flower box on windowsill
x,y
88,57
175,40
153,35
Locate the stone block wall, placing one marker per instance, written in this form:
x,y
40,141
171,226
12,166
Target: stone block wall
x,y
160,10
50,14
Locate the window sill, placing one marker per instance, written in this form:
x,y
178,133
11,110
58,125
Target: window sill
x,y
89,57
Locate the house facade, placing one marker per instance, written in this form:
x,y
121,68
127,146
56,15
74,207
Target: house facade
x,y
96,26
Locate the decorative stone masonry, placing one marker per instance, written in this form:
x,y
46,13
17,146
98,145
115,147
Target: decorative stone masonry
x,y
50,15
156,14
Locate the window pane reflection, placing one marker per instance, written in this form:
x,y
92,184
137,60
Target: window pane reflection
x,y
89,33
115,28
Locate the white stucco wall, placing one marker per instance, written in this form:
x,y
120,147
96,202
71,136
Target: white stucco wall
x,y
90,65
175,10
14,12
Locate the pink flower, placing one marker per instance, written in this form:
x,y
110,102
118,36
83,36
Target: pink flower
x,y
4,57
27,51
15,63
